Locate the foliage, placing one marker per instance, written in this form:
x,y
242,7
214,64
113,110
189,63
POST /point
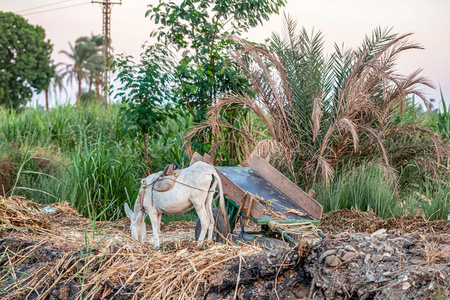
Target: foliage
x,y
83,156
62,128
105,177
443,120
200,30
169,145
25,60
368,188
147,91
434,198
86,65
323,115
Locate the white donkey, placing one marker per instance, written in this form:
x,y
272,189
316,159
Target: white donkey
x,y
194,187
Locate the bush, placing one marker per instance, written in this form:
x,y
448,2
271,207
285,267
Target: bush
x,y
434,199
367,188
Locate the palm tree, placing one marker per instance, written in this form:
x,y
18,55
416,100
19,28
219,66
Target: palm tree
x,y
85,57
323,114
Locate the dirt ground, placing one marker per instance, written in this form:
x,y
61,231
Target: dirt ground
x,y
61,255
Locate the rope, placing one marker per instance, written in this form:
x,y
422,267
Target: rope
x,y
160,178
182,183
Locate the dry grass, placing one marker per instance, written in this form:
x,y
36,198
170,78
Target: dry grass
x,y
90,263
18,213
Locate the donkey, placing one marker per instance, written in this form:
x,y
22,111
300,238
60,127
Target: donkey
x,y
194,187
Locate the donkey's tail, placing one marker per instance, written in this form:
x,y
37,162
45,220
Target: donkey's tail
x,y
222,206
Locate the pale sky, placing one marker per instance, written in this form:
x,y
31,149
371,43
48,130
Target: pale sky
x,y
341,21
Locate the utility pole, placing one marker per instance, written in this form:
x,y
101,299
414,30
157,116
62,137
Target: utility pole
x,y
106,10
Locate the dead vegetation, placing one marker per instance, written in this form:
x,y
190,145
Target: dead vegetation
x,y
352,221
63,256
6,174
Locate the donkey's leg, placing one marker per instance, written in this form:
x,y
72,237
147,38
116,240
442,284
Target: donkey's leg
x,y
204,221
159,222
155,219
208,204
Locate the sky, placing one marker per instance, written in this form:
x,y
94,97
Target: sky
x,y
342,22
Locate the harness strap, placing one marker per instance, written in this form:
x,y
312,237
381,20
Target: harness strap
x,y
176,181
159,178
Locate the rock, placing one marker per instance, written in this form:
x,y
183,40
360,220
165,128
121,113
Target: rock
x,y
388,249
377,258
332,261
349,248
406,285
325,254
349,256
370,277
380,232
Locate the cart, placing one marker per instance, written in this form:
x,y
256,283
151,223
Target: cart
x,y
262,195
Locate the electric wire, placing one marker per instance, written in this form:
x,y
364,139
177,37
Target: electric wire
x,y
42,6
42,11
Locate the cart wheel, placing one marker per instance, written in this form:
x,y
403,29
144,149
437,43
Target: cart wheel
x,y
218,225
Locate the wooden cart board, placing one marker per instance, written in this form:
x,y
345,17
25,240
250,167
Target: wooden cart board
x,y
267,194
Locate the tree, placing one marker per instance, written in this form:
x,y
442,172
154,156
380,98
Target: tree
x,y
86,61
200,31
147,91
323,116
25,64
199,28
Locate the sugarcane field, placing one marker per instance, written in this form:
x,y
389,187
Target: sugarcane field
x,y
248,149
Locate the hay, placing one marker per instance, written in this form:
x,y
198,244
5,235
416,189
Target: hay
x,y
107,270
346,220
87,261
20,214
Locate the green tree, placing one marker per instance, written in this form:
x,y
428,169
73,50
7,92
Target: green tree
x,y
25,63
200,31
199,28
86,61
147,90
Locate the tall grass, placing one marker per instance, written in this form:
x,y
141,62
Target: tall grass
x,y
367,188
443,120
62,127
434,199
85,155
102,178
97,182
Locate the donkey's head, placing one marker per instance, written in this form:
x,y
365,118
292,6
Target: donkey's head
x,y
138,228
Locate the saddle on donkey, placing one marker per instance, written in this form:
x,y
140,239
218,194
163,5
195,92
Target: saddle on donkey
x,y
167,179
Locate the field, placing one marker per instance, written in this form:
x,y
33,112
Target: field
x,y
345,126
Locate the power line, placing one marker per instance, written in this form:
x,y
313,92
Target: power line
x,y
42,11
42,6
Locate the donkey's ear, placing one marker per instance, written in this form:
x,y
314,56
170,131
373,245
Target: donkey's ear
x,y
128,211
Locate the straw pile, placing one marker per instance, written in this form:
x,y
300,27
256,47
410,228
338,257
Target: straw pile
x,y
124,271
346,220
81,260
18,213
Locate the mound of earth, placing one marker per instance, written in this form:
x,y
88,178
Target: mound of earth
x,y
64,256
350,266
6,175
